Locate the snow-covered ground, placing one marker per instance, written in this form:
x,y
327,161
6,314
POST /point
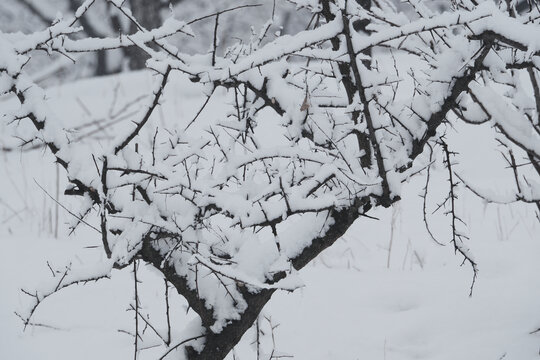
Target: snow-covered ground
x,y
384,291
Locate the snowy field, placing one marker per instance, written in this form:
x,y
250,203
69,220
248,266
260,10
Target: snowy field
x,y
385,291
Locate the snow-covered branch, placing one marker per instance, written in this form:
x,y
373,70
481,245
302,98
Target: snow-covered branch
x,y
293,140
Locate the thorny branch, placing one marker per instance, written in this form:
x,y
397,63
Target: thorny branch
x,y
312,130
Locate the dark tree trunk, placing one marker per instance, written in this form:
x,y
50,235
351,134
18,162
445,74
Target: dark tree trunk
x,y
101,55
147,13
217,346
